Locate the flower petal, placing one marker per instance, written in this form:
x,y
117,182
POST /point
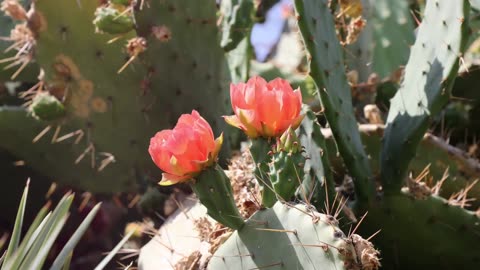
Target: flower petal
x,y
170,179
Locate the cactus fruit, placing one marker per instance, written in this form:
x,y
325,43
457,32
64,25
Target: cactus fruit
x,y
286,167
291,237
428,79
259,149
316,24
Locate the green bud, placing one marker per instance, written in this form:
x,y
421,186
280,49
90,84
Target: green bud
x,y
289,142
46,107
112,21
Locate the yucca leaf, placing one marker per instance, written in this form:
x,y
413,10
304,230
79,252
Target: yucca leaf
x,y
66,265
39,258
37,221
17,229
19,255
58,216
72,242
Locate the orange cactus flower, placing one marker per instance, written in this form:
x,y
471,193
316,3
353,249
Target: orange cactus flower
x,y
184,151
265,109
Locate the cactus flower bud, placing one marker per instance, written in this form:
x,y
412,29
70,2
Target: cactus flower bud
x,y
265,109
288,142
185,151
46,107
110,20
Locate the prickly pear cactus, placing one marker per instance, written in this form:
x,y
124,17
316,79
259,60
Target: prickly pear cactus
x,y
429,76
286,167
378,48
15,65
446,236
289,237
317,174
182,39
391,48
117,94
316,24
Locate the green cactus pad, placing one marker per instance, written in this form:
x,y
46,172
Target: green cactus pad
x,y
390,48
429,76
423,234
46,107
317,170
462,171
215,192
327,69
112,21
187,68
237,22
113,116
121,2
58,160
286,237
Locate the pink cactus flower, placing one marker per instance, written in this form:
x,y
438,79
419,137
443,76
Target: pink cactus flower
x,y
265,109
184,151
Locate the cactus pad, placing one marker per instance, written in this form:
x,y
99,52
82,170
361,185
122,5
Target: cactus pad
x,y
317,26
287,237
429,76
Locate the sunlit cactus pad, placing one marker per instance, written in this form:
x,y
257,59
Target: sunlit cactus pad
x,y
288,237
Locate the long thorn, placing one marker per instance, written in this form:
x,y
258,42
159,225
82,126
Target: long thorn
x,y
373,235
41,134
360,222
